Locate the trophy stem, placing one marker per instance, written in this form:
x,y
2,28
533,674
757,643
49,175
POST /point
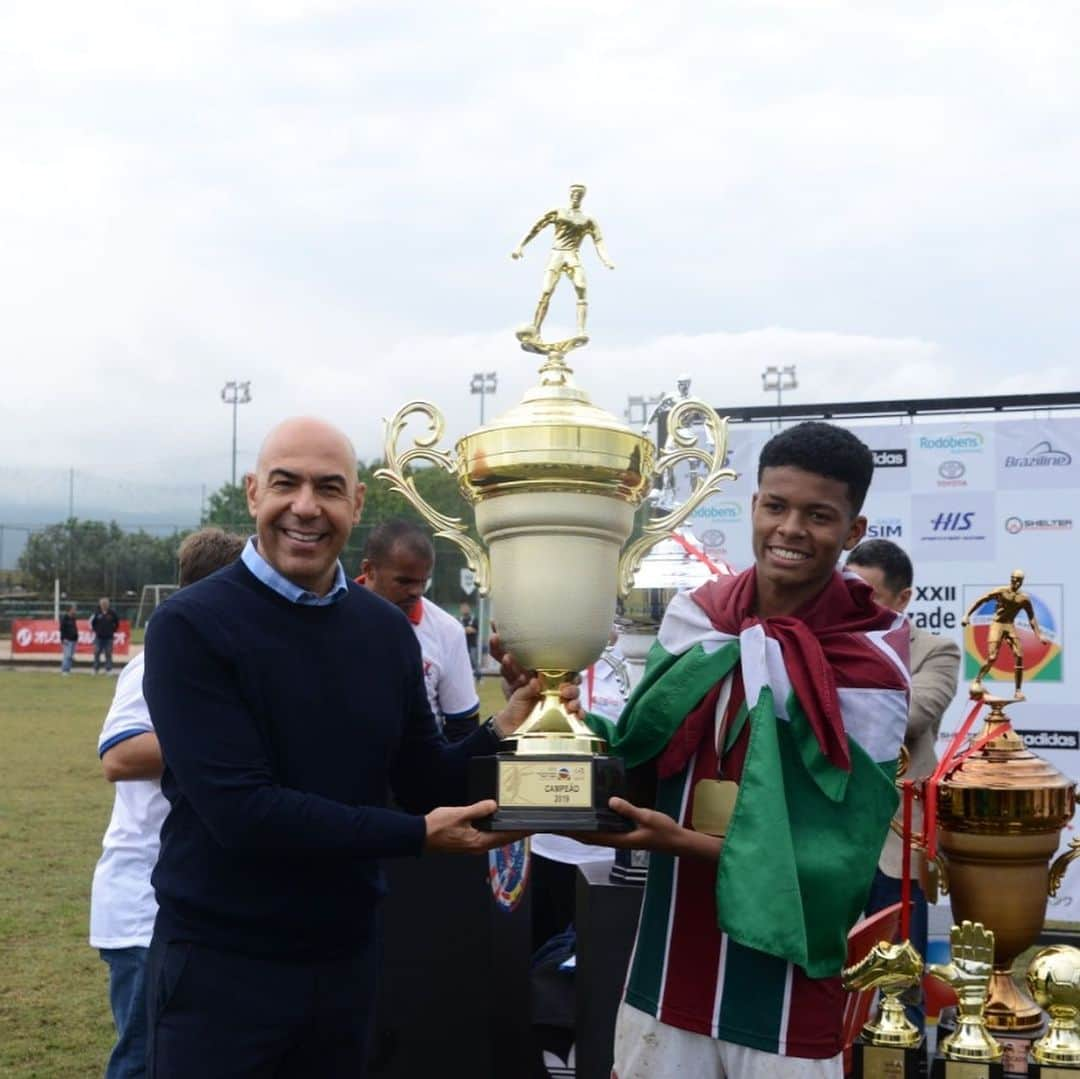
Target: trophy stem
x,y
892,1026
551,729
1008,1007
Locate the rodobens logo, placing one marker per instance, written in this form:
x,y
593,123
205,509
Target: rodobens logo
x,y
1042,663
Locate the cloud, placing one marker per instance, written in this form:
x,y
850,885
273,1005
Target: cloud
x,y
321,198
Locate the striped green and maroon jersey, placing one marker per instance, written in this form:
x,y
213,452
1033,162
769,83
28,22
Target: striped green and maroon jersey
x,y
684,970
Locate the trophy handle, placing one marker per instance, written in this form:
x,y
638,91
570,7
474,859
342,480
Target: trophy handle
x,y
1061,863
451,528
681,446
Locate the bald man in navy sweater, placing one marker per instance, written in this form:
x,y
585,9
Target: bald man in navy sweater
x,y
287,699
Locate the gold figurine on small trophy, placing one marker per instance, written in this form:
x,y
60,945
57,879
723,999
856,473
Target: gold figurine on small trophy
x,y
1053,980
971,963
1009,601
889,1044
572,225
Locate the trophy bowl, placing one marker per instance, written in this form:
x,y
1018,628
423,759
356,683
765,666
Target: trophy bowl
x,y
555,484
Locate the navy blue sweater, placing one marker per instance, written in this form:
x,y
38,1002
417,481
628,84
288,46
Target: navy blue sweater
x,y
282,727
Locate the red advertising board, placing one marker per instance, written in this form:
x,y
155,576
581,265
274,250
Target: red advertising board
x,y
30,636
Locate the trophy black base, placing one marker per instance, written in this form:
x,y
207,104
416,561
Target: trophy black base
x,y
549,794
888,1061
1052,1071
966,1069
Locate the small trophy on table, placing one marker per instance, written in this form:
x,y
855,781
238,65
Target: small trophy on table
x,y
969,1052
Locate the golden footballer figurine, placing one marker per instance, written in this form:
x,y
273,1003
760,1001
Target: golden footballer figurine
x,y
1009,601
572,225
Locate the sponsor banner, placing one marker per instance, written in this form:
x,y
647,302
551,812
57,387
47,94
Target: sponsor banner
x,y
947,458
952,528
41,636
1038,455
892,457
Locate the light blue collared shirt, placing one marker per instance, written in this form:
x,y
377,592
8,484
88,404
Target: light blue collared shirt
x,y
284,587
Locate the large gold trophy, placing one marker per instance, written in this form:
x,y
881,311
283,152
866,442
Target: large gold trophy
x,y
1000,815
555,483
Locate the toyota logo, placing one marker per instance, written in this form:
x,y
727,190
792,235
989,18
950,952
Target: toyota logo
x,y
951,470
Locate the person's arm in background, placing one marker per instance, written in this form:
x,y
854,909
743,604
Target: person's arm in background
x,y
933,686
127,745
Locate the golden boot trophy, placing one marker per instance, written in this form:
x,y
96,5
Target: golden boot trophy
x,y
890,1045
969,1052
555,483
1053,980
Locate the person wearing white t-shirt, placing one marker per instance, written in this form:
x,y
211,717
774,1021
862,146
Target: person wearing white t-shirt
x,y
122,904
397,565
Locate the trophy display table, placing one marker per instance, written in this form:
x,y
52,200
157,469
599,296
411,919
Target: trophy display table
x,y
454,985
606,921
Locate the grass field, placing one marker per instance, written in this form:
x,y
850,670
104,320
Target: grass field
x,y
54,806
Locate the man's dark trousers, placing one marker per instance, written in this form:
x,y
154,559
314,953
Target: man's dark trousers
x,y
216,1014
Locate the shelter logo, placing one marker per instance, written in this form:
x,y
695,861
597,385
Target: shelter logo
x,y
1015,525
1042,663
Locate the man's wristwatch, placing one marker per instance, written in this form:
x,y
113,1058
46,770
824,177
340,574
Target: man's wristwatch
x,y
491,726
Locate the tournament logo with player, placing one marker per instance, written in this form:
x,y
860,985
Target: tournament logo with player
x,y
508,874
1042,662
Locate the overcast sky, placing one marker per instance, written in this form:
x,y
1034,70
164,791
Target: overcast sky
x,y
321,198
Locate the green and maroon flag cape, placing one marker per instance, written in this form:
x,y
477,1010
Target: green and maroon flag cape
x,y
827,703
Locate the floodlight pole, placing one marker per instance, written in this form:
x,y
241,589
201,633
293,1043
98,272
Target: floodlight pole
x,y
779,379
235,394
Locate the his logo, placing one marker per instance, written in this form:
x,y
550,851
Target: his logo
x,y
890,458
961,442
1041,455
1042,662
953,522
951,470
508,873
885,528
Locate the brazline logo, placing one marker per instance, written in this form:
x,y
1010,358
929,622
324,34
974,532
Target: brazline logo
x,y
1041,455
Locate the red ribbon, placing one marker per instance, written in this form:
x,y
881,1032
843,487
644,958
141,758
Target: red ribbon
x,y
908,788
700,555
948,763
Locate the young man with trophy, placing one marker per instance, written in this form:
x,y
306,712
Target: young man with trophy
x,y
772,709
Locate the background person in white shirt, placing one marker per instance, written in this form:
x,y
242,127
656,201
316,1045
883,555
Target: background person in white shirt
x,y
398,560
122,904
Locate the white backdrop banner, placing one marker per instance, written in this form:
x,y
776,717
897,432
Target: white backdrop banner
x,y
970,502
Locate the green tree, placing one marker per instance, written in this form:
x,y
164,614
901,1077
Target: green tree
x,y
95,556
227,508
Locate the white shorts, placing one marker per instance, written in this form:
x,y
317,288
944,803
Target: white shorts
x,y
645,1048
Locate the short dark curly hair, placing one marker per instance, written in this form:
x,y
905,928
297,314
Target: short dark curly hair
x,y
825,450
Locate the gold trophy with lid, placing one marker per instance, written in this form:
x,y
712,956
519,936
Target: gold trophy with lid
x,y
555,484
999,818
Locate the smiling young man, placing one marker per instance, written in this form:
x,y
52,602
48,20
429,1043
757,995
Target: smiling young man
x,y
268,881
773,708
